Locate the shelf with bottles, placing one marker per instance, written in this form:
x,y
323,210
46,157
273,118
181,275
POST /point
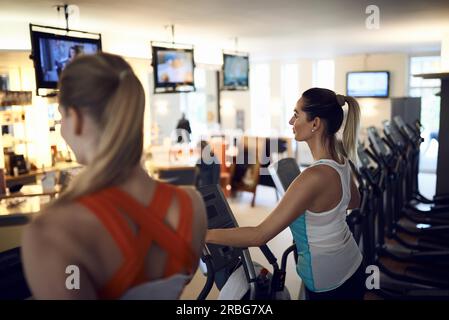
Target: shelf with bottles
x,y
15,98
32,135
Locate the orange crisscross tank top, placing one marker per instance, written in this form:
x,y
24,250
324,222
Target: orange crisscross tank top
x,y
106,203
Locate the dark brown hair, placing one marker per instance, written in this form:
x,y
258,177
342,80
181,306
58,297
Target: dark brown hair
x,y
328,106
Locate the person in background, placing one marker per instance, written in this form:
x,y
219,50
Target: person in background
x,y
314,206
74,51
127,235
183,129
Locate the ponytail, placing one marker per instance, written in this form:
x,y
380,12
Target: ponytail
x,y
350,132
328,106
114,97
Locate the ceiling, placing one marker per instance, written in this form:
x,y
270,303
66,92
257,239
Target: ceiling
x,y
266,28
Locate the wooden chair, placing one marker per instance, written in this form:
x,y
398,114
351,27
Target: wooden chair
x,y
249,180
218,146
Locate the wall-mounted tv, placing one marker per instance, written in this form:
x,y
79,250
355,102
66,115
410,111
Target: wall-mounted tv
x,y
235,72
368,84
173,69
52,52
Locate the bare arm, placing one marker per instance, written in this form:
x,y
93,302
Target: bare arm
x,y
200,219
299,196
47,251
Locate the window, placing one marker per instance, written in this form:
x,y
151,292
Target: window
x,y
428,90
260,98
289,93
324,74
196,105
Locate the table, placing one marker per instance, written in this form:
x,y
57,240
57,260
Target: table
x,y
153,167
31,190
31,176
16,208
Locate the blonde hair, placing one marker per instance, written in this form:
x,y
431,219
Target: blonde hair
x,y
351,130
104,87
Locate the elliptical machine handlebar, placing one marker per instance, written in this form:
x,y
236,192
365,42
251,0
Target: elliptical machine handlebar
x,y
207,259
269,256
278,279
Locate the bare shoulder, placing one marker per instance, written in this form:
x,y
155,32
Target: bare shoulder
x,y
197,202
44,223
61,215
316,176
49,245
199,218
322,174
59,225
313,183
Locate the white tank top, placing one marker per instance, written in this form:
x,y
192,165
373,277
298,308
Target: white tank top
x,y
327,252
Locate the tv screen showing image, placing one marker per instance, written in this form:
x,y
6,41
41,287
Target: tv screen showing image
x,y
368,84
52,53
235,72
173,67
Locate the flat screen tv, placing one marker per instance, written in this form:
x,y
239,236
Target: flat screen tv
x,y
235,72
52,52
173,69
368,84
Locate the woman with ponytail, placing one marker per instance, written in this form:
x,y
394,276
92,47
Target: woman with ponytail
x,y
315,204
114,232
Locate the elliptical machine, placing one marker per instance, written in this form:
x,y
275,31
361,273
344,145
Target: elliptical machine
x,y
232,269
13,285
412,136
412,282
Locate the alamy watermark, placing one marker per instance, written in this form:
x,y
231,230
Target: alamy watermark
x,y
72,282
373,280
372,22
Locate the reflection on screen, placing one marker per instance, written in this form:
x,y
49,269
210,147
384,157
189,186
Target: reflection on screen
x,y
236,71
55,54
174,66
368,84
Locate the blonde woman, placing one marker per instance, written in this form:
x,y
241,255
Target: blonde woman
x,y
315,204
126,234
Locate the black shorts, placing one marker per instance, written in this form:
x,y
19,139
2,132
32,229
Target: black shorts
x,y
352,289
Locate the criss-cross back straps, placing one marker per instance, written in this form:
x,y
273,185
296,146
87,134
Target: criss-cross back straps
x,y
125,239
150,220
184,230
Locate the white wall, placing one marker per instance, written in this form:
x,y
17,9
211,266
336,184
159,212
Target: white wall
x,y
374,111
142,68
305,75
280,109
231,101
445,53
276,105
165,111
